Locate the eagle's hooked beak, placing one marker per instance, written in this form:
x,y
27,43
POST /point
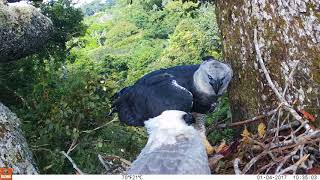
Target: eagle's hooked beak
x,y
216,84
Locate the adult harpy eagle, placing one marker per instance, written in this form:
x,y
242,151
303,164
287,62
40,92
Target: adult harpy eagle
x,y
189,88
173,147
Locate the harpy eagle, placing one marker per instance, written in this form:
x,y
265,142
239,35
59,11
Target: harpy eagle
x,y
188,88
173,147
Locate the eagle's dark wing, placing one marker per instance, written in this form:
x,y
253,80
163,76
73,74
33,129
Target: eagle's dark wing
x,y
150,97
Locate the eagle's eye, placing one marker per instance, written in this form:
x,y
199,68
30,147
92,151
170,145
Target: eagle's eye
x,y
210,77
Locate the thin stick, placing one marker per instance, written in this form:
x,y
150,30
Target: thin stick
x,y
248,120
272,163
72,162
236,168
290,78
285,127
264,69
213,126
112,157
295,166
276,136
271,84
97,128
286,158
301,139
72,146
103,163
253,161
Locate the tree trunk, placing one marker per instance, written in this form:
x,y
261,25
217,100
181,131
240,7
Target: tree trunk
x,y
14,151
23,30
288,32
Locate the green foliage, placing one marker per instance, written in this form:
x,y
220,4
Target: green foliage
x,y
64,109
96,6
66,20
222,113
217,137
63,92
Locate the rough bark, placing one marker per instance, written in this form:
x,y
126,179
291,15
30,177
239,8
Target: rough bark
x,y
288,32
23,30
14,151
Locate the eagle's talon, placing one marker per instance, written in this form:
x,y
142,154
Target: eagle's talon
x,y
209,149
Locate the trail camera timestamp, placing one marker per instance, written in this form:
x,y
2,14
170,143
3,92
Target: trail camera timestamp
x,y
288,177
306,177
272,177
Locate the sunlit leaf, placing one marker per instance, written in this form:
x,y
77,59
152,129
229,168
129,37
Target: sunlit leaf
x,y
261,130
245,135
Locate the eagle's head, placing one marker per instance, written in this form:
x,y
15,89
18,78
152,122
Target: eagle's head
x,y
169,127
212,77
170,119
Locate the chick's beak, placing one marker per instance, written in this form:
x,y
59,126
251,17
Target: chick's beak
x,y
189,119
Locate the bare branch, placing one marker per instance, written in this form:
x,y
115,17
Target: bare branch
x,y
290,78
254,119
97,128
103,163
236,163
302,139
295,166
285,159
271,84
72,162
285,127
112,157
264,69
72,146
253,161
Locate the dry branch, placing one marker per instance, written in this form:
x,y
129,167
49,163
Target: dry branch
x,y
114,157
263,67
103,163
290,78
97,128
295,166
271,84
285,127
240,123
285,159
236,163
72,162
72,146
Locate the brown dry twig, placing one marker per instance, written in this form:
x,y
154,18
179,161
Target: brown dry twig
x,y
254,119
295,166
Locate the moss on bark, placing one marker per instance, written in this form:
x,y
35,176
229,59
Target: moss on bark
x,y
23,30
14,151
287,32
